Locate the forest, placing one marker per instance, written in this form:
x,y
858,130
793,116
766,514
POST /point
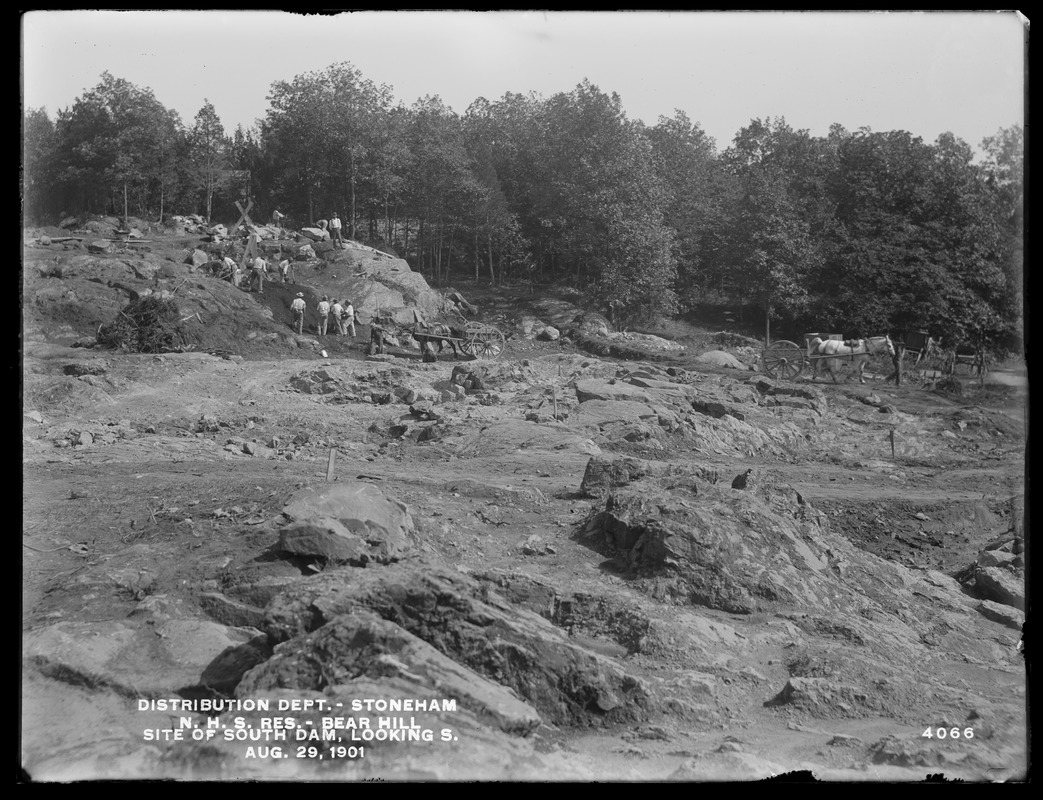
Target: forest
x,y
859,231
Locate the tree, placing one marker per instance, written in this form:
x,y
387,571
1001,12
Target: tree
x,y
107,145
598,216
698,193
208,147
170,152
39,144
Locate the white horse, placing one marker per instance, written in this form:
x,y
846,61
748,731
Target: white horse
x,y
858,351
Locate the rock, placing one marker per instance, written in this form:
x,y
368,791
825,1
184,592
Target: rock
x,y
590,324
594,389
84,439
162,659
35,416
305,251
81,368
207,423
534,546
459,617
324,537
743,481
255,449
319,381
197,258
995,558
316,234
101,246
719,358
549,334
358,644
818,693
528,324
231,612
604,473
384,523
713,552
995,583
715,409
843,740
1004,614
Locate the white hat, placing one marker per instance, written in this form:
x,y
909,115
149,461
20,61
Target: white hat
x,y
300,294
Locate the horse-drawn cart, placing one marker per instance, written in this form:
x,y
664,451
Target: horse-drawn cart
x,y
483,340
475,338
783,359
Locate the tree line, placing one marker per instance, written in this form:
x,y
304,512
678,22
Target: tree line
x,y
858,231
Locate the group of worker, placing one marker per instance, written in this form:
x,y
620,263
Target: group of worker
x,y
343,313
258,272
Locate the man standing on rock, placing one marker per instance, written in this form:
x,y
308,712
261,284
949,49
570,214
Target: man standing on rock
x,y
260,267
297,307
335,226
324,313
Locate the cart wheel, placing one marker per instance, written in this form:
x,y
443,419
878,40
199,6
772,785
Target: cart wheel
x,y
493,344
485,345
467,347
783,359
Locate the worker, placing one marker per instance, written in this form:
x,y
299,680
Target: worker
x,y
376,336
335,227
337,311
277,218
284,270
349,318
298,306
324,312
232,270
260,269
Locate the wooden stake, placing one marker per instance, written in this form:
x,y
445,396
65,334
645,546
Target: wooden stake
x,y
892,434
329,465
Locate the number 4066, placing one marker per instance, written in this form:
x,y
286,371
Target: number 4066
x,y
948,733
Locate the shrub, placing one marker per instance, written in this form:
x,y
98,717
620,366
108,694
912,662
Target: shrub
x,y
147,325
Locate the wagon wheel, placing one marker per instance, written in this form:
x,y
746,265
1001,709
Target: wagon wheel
x,y
487,343
783,359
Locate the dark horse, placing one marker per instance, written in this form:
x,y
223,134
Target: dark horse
x,y
427,336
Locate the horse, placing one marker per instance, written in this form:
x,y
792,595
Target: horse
x,y
427,336
831,351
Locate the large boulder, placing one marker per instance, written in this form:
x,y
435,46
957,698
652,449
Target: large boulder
x,y
363,510
460,618
719,358
315,234
379,284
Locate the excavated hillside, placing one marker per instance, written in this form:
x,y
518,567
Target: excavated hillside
x,y
591,557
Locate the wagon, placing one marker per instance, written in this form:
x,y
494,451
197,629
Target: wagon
x,y
475,338
483,340
783,359
786,360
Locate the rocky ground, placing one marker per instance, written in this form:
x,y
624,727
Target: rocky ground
x,y
607,559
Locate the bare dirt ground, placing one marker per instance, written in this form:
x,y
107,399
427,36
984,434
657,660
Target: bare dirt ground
x,y
155,485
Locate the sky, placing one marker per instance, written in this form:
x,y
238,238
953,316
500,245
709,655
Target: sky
x,y
925,73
